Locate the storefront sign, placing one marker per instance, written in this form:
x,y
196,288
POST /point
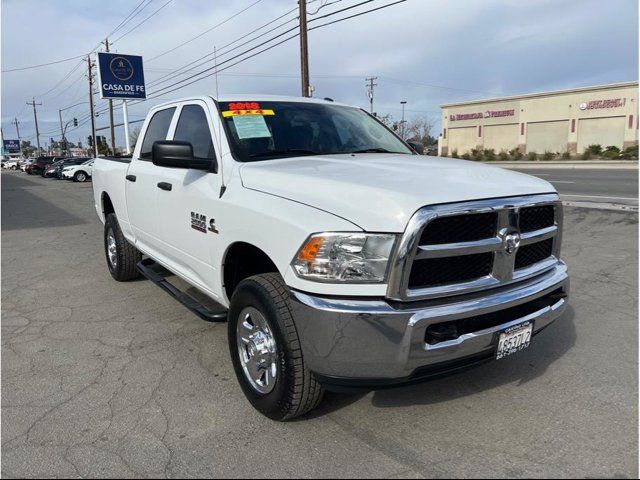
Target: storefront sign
x,y
121,76
609,103
487,114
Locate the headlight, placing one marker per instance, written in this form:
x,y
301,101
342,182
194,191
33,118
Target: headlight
x,y
344,257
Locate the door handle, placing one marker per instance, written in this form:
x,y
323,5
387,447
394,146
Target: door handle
x,y
164,186
131,178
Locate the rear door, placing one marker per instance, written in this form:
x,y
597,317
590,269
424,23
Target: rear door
x,y
141,182
187,212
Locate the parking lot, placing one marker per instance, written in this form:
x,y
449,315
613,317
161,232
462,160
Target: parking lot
x,y
117,379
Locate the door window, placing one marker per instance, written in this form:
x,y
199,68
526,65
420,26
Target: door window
x,y
193,127
157,130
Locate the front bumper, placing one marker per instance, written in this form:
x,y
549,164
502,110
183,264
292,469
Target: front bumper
x,y
375,343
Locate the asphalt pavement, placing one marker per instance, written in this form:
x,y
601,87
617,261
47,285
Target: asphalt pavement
x,y
101,378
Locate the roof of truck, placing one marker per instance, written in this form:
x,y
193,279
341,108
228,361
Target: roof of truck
x,y
252,97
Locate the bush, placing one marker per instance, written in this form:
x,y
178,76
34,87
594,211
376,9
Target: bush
x,y
611,152
532,156
547,155
503,156
515,154
587,155
630,153
476,154
454,154
465,156
566,155
595,149
489,154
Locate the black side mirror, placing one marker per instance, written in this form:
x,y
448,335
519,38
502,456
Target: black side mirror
x,y
177,154
417,146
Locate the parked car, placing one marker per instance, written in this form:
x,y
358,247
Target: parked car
x,y
38,166
78,173
55,169
23,163
338,256
11,164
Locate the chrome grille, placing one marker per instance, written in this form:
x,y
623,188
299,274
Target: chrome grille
x,y
459,248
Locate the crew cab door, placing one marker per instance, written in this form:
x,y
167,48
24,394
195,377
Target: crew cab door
x,y
187,205
141,183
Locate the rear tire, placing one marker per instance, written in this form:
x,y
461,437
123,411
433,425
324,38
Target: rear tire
x,y
122,257
295,390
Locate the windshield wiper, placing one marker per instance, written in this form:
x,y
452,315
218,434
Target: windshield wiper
x,y
289,151
374,150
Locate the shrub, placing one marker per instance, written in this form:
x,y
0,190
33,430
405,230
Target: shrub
x,y
595,149
465,156
515,154
532,156
630,153
586,155
547,155
611,152
476,154
503,156
454,154
489,154
566,155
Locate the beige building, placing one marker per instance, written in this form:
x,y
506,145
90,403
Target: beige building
x,y
567,120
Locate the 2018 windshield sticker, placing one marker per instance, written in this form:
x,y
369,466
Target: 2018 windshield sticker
x,y
253,111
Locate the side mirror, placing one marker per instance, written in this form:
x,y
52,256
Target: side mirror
x,y
177,154
417,146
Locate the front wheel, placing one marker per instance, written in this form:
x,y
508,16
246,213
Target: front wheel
x,y
122,257
80,177
265,350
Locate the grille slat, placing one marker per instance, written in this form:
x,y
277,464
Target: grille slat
x,y
433,272
460,228
536,218
533,253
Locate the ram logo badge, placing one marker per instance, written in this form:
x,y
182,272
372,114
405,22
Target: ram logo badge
x,y
199,222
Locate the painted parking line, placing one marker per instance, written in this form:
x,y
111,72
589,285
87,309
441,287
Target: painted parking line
x,y
560,181
599,197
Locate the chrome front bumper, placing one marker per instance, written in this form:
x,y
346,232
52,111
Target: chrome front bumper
x,y
376,342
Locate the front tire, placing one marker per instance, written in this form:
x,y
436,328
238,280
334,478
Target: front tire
x,y
265,350
80,177
122,257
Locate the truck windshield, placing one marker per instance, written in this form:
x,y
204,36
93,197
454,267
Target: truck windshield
x,y
267,130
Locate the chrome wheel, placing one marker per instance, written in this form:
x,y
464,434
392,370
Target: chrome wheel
x,y
257,350
112,249
81,177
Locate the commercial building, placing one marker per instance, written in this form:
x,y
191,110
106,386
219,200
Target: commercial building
x,y
560,121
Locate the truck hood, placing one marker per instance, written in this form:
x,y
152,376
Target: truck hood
x,y
380,192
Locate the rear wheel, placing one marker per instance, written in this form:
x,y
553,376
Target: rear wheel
x,y
122,257
266,352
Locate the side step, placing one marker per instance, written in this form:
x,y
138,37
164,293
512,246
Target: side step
x,y
154,272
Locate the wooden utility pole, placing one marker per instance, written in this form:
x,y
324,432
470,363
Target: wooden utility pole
x,y
35,117
371,83
93,118
113,134
304,49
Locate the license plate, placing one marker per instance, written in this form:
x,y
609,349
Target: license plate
x,y
514,339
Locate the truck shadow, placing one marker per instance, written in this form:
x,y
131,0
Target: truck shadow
x,y
547,347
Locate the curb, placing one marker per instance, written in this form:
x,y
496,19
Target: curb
x,y
572,165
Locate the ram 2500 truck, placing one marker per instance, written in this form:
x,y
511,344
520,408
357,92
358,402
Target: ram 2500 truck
x,y
339,257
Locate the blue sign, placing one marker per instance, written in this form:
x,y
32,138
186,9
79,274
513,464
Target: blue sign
x,y
121,76
11,146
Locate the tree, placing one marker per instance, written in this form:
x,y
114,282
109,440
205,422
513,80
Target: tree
x,y
389,121
419,129
27,149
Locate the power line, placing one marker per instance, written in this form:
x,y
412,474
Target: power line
x,y
41,64
143,21
129,17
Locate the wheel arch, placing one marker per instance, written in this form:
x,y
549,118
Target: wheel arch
x,y
242,260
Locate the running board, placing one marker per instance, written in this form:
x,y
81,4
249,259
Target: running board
x,y
153,271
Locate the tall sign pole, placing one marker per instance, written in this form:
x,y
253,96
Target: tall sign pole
x,y
93,117
371,81
304,49
35,117
113,134
125,121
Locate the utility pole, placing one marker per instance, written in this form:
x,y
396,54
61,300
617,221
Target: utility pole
x,y
403,103
113,135
35,116
62,140
93,118
17,123
304,49
371,84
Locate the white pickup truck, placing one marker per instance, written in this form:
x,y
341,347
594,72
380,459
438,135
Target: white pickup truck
x,y
340,257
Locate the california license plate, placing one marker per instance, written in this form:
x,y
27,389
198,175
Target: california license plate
x,y
514,339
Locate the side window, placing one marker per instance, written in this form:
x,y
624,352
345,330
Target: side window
x,y
157,130
193,127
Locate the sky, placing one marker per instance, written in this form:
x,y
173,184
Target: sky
x,y
424,52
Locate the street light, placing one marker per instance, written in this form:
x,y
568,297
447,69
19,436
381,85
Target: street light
x,y
403,103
